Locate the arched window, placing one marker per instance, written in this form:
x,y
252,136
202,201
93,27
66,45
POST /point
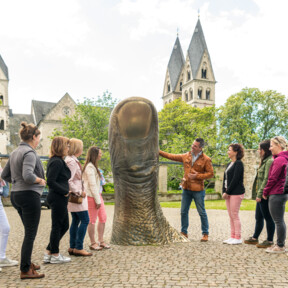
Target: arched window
x,y
208,94
181,86
191,94
2,125
188,75
1,100
168,87
199,93
186,96
204,71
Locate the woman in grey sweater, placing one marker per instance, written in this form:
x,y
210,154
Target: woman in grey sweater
x,y
25,171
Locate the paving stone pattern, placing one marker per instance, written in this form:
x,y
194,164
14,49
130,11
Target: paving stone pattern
x,y
192,264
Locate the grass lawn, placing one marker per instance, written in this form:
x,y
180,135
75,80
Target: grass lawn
x,y
246,205
214,204
209,204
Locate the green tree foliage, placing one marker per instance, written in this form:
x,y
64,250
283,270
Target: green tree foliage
x,y
179,125
90,124
251,116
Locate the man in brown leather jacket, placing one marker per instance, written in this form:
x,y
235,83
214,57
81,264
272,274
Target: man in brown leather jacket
x,y
197,168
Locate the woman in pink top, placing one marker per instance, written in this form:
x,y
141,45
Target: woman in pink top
x,y
274,189
93,181
79,212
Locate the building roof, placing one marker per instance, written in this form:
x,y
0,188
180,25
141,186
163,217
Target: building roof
x,y
14,126
4,68
41,109
197,48
175,64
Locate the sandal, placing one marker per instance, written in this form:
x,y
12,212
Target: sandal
x,y
104,246
97,248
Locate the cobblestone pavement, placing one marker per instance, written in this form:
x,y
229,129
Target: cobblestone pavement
x,y
192,264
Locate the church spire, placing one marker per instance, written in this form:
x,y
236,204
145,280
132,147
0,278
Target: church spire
x,y
4,68
197,48
176,63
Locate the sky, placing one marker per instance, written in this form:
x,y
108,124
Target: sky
x,y
86,47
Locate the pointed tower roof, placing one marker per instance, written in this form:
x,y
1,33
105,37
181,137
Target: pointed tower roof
x,y
4,68
175,64
197,48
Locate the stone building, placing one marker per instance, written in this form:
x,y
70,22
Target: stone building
x,y
46,115
192,78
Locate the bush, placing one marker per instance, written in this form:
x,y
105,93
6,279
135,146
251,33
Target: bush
x,y
109,188
174,184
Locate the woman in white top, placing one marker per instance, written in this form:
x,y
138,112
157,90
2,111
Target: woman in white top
x,y
93,185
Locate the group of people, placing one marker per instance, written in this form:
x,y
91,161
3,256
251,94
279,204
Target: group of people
x,y
270,189
65,178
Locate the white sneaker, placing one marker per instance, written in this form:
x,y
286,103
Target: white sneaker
x,y
235,242
46,258
7,262
228,240
59,259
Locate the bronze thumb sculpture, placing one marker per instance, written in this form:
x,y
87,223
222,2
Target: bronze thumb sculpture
x,y
133,146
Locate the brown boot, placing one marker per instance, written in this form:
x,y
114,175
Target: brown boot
x,y
82,252
184,234
35,266
204,238
31,274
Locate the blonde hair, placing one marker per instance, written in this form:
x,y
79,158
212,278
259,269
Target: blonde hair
x,y
75,146
280,141
58,146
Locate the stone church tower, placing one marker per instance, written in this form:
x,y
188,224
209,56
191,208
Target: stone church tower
x,y
4,107
192,78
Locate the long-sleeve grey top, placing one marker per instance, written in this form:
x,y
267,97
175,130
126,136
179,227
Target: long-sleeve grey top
x,y
22,169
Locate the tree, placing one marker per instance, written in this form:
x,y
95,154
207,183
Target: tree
x,y
90,124
179,125
251,116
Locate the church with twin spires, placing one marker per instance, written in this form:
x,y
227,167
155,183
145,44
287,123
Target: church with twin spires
x,y
192,78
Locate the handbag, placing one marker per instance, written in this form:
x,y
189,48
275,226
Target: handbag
x,y
73,198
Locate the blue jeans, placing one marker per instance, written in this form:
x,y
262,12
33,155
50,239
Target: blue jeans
x,y
78,232
187,197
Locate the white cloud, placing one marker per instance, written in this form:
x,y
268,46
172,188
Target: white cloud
x,y
49,26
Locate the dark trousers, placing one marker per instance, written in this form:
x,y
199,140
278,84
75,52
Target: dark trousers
x,y
28,206
277,209
60,220
262,212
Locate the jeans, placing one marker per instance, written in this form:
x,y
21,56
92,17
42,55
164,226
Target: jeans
x,y
4,231
187,197
78,232
28,206
261,213
277,210
60,220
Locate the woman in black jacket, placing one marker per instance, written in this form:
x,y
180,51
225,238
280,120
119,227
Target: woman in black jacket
x,y
233,191
58,175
